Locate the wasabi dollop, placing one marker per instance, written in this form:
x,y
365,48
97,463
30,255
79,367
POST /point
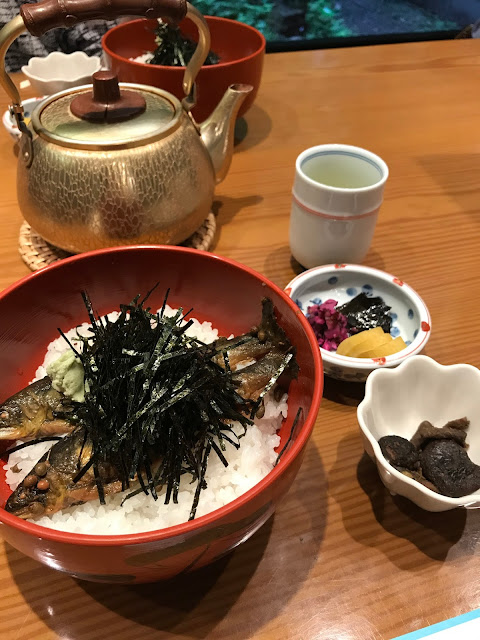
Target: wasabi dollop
x,y
67,376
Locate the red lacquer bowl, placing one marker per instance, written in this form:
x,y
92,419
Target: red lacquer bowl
x,y
240,47
220,290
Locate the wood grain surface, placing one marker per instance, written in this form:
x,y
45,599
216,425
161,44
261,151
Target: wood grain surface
x,y
341,559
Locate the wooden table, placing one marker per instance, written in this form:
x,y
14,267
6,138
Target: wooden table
x,y
341,559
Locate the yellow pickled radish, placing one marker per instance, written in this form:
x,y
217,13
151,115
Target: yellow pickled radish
x,y
386,349
346,346
372,343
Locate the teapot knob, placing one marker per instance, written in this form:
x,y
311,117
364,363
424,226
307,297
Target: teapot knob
x,y
107,103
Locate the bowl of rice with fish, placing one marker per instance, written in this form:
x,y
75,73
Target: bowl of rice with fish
x,y
156,414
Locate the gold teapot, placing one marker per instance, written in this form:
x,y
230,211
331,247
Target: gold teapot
x,y
115,164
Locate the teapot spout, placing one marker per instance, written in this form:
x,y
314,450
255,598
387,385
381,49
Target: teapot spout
x,y
217,130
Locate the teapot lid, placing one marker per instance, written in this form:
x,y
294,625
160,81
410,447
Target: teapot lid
x,y
115,116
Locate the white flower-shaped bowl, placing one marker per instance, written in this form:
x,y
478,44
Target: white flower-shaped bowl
x,y
342,282
59,71
398,400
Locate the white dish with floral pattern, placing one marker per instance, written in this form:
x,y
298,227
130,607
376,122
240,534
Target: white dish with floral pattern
x,y
342,282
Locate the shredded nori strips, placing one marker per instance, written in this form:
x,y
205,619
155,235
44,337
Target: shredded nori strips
x,y
290,436
364,312
156,404
174,49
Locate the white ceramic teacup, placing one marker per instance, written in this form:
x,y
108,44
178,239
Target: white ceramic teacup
x,y
337,193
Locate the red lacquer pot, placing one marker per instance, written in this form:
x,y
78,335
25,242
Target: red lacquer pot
x,y
241,49
225,292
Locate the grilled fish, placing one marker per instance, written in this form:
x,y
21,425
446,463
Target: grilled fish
x,y
38,410
267,345
254,344
253,379
50,486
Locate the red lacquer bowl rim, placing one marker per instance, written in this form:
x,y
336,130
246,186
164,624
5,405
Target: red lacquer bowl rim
x,y
205,69
191,526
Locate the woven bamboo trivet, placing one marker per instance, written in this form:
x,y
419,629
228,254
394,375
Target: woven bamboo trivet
x,y
37,252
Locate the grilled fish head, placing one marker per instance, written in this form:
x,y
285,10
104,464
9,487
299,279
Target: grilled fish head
x,y
35,411
270,331
50,486
28,500
48,483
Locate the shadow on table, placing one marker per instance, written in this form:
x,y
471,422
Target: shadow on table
x,y
281,261
276,265
456,175
374,259
225,208
340,392
434,534
252,129
194,605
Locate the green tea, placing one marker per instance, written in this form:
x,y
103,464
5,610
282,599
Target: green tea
x,y
342,170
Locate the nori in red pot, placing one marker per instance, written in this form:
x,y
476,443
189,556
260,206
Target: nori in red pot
x,y
174,49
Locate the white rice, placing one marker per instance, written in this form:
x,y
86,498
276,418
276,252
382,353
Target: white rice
x,y
145,57
247,466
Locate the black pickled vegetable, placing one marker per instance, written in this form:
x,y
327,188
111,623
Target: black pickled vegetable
x,y
174,49
436,457
401,453
426,431
364,312
447,465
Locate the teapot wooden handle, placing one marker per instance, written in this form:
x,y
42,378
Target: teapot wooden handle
x,y
50,14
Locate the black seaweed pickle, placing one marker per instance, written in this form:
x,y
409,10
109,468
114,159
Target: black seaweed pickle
x,y
364,312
